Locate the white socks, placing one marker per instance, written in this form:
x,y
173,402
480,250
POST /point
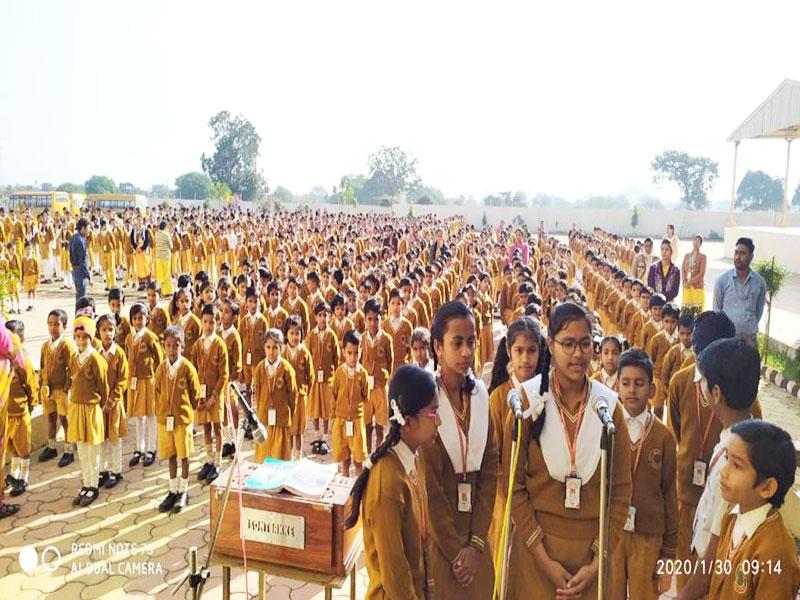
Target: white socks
x,y
173,485
183,485
51,443
15,464
140,433
152,434
24,469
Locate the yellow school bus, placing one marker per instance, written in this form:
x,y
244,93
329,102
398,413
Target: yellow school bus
x,y
117,201
38,201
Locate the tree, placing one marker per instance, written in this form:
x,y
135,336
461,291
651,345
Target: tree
x,y
619,202
759,191
649,202
46,187
161,191
72,188
635,217
193,185
282,194
796,198
220,191
345,196
129,188
235,158
694,175
100,184
548,201
774,276
426,194
392,171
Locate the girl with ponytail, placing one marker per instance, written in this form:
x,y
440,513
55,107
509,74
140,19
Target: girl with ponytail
x,y
461,465
390,492
556,499
518,359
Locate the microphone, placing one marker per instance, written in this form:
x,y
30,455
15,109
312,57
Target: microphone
x,y
259,431
515,403
601,408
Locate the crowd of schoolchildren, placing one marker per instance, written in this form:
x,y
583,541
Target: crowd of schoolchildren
x,y
374,339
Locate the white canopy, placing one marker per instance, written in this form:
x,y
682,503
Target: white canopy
x,y
777,117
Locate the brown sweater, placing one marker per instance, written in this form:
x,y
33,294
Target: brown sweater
x,y
157,321
350,393
233,347
176,396
89,381
117,375
144,354
377,358
23,390
278,392
654,494
401,340
303,369
212,367
770,545
324,352
53,364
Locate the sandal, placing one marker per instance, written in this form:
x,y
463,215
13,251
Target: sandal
x,y
7,510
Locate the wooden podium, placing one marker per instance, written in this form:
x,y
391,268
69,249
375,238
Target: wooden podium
x,y
286,535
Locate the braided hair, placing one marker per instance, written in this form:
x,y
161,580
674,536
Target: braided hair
x,y
562,315
412,389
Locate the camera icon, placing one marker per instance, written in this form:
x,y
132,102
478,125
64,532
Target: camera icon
x,y
29,559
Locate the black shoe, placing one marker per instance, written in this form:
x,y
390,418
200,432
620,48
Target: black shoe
x,y
103,479
228,449
113,480
212,474
11,480
77,500
47,454
91,495
248,434
204,471
323,448
180,502
19,488
137,456
66,459
149,458
315,446
168,502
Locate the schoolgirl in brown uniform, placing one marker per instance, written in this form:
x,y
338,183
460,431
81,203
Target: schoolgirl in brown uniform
x,y
275,393
21,399
122,326
295,305
210,358
377,356
89,389
390,495
518,359
556,498
399,329
276,314
186,319
461,465
157,318
114,417
324,347
229,315
144,355
300,358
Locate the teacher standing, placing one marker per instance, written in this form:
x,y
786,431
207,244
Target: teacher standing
x,y
79,258
663,276
741,292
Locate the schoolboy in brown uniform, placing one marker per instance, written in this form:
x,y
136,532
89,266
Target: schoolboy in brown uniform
x,y
654,325
229,315
252,328
650,532
22,395
158,318
325,351
177,390
276,314
350,394
657,349
399,329
54,384
377,356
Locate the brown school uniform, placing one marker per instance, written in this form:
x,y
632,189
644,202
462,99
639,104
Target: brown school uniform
x,y
144,357
300,359
176,397
655,525
395,523
276,318
350,393
22,394
771,545
252,329
401,340
657,348
341,327
89,391
277,393
451,529
54,375
123,328
683,401
157,321
377,356
211,362
539,514
673,361
325,356
191,331
649,331
498,412
116,420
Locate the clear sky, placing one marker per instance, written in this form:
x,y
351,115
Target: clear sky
x,y
567,98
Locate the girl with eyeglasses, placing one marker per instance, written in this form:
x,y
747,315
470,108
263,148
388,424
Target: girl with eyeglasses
x,y
556,497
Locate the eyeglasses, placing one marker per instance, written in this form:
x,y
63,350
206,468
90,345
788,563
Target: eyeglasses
x,y
569,345
431,414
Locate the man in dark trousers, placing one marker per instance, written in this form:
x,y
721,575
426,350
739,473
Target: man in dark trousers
x,y
79,258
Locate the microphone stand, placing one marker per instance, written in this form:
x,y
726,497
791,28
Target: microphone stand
x,y
197,579
506,527
606,474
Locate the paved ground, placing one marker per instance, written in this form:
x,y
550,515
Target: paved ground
x,y
140,553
